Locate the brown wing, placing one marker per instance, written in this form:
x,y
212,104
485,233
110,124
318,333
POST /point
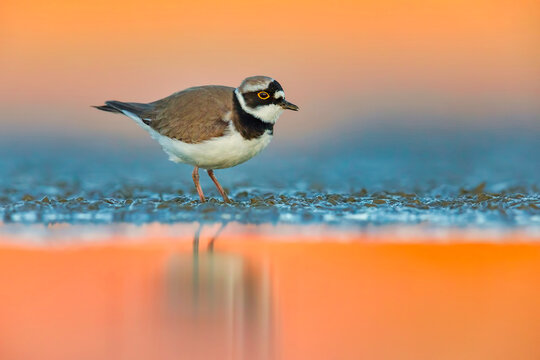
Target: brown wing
x,y
192,115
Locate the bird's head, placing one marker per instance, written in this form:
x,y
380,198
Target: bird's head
x,y
263,98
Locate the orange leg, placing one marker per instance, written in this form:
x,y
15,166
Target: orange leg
x,y
220,189
197,184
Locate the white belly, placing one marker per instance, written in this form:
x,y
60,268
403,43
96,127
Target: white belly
x,y
218,153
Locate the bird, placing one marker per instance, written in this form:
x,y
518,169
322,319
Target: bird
x,y
211,126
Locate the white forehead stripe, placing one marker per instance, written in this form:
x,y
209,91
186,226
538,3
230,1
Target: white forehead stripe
x,y
279,95
256,87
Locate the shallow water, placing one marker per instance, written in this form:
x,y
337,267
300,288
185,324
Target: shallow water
x,y
379,246
469,179
261,292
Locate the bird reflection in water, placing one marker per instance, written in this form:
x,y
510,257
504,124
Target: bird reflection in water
x,y
223,299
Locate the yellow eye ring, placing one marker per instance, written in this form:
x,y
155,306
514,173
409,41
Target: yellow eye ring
x,y
263,95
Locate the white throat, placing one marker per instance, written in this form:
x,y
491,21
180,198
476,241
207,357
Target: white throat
x,y
267,113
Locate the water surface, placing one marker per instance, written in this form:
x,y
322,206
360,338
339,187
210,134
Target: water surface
x,y
460,179
140,292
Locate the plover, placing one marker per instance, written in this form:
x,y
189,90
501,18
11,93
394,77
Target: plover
x,y
211,127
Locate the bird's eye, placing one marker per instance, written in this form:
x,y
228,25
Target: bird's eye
x,y
263,95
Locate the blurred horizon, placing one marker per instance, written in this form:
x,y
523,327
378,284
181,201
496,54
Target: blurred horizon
x,y
477,179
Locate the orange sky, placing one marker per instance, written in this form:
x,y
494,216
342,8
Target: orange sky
x,y
367,60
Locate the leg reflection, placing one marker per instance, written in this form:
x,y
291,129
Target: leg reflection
x,y
195,271
196,240
223,300
210,246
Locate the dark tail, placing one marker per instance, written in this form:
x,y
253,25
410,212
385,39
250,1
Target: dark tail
x,y
107,108
117,107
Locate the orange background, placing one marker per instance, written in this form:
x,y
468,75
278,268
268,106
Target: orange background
x,y
442,63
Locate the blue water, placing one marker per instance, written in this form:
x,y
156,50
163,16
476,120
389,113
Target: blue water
x,y
370,177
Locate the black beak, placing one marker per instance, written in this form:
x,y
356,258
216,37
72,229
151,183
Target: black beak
x,y
288,106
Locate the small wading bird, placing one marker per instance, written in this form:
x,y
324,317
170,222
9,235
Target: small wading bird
x,y
211,127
